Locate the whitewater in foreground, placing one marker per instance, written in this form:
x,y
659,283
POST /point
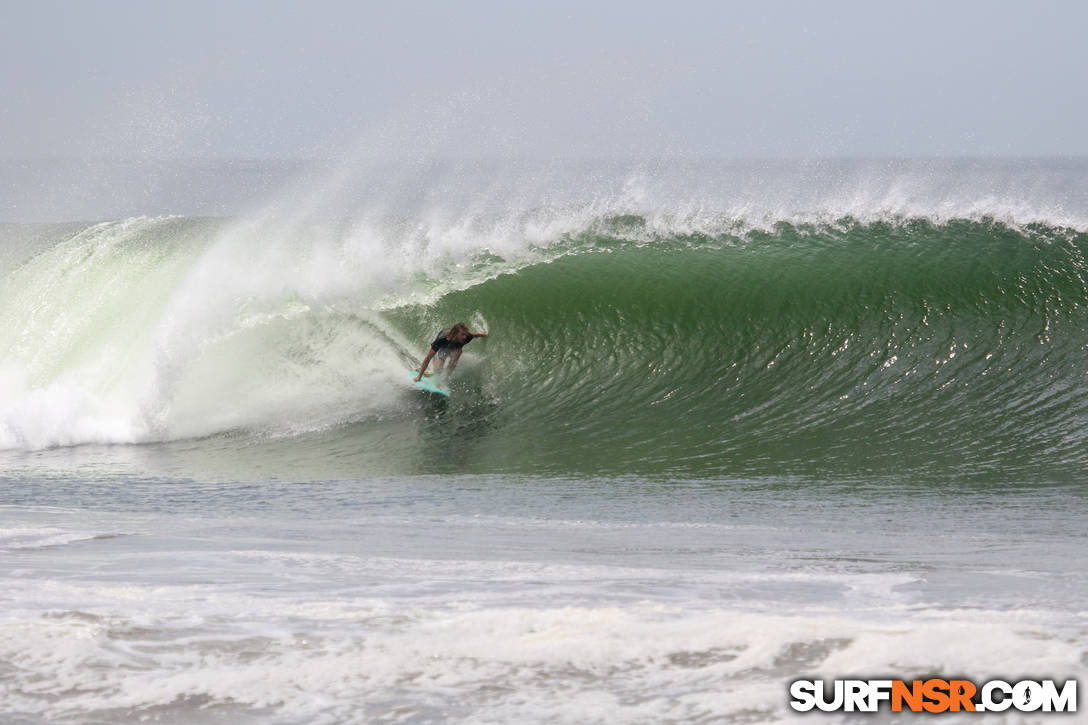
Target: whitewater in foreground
x,y
735,424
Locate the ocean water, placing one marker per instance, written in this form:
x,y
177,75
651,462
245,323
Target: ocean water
x,y
735,424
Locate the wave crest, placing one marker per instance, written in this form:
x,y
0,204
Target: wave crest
x,y
622,342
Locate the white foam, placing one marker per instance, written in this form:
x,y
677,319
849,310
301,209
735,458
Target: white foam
x,y
38,538
149,329
331,661
414,617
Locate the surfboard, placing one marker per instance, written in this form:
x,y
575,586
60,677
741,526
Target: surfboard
x,y
432,384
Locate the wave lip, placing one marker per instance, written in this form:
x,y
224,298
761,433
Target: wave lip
x,y
952,345
675,342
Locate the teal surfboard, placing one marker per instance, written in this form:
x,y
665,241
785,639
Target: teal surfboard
x,y
432,384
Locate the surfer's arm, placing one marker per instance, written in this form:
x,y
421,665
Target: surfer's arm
x,y
424,364
479,334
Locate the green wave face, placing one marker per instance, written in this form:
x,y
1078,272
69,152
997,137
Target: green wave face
x,y
624,347
855,349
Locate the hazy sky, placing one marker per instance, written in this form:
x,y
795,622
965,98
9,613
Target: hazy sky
x,y
549,79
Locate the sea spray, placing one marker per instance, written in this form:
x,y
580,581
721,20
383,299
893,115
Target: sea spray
x,y
621,343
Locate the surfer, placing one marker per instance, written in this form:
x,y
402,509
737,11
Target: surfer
x,y
447,346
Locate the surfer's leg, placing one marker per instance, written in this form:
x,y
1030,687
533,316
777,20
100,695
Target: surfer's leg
x,y
423,365
440,360
454,357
